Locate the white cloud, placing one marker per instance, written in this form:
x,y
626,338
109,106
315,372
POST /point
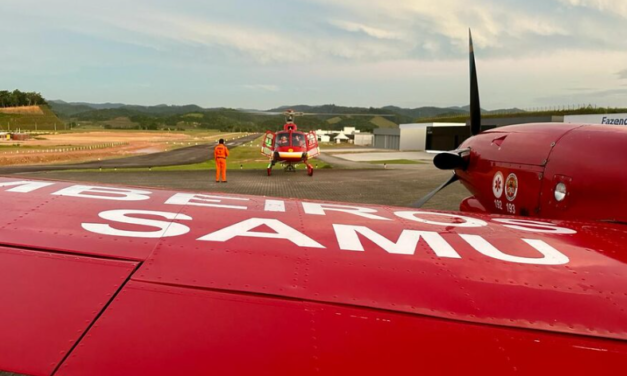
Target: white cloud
x,y
375,51
604,6
370,31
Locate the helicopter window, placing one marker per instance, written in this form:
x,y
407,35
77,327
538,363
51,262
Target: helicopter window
x,y
282,139
298,140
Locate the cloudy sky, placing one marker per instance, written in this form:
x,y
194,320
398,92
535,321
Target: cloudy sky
x,y
266,53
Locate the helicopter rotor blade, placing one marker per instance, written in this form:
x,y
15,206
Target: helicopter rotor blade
x,y
422,201
338,114
475,107
317,114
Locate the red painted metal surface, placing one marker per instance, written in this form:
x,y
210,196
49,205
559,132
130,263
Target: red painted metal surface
x,y
481,275
48,302
518,151
40,219
472,205
162,330
567,298
525,144
588,159
594,174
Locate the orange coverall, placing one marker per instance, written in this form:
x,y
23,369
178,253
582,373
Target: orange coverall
x,y
219,154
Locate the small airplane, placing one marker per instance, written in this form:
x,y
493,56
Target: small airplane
x,y
111,280
543,170
290,146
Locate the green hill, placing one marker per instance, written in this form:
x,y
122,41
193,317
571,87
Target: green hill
x,y
46,121
382,122
330,116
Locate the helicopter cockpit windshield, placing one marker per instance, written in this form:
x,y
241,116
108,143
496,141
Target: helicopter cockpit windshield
x,y
282,139
298,140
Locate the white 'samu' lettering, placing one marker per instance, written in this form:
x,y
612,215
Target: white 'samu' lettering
x,y
347,236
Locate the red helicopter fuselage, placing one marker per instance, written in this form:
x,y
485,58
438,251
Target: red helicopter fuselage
x,y
290,147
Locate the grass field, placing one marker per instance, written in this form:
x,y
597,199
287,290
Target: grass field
x,y
121,122
334,145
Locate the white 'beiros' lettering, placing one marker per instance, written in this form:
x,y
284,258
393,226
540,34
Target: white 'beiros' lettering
x,y
348,236
282,231
274,206
165,229
24,186
104,193
415,216
321,209
534,226
195,199
348,239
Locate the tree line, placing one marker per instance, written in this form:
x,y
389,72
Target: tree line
x,y
17,98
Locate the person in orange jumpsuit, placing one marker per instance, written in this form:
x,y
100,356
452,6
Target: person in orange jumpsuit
x,y
220,153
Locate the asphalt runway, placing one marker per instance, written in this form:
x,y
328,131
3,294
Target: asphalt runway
x,y
396,187
188,155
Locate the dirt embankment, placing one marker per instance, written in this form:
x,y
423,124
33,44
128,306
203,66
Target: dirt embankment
x,y
22,110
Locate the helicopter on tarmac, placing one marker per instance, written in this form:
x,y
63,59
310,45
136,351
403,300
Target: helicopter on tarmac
x,y
290,147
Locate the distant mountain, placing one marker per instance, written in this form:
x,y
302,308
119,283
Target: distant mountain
x,y
427,112
328,116
101,106
66,110
93,106
513,110
334,110
72,109
403,115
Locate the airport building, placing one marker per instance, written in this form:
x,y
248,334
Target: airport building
x,y
363,139
444,136
347,134
420,136
609,119
448,136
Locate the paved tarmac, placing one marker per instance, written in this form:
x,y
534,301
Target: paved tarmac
x,y
396,187
188,155
348,181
